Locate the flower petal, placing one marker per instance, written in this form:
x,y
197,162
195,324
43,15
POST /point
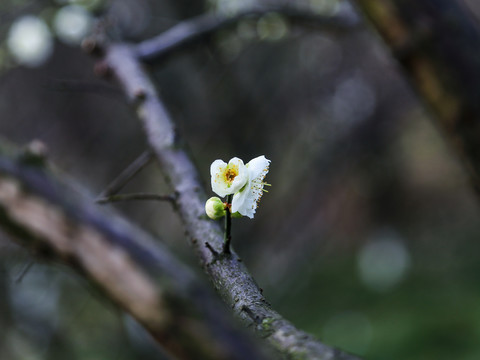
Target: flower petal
x,y
228,178
219,186
246,200
244,203
258,166
217,166
239,200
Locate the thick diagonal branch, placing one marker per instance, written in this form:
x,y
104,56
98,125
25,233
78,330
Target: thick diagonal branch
x,y
226,271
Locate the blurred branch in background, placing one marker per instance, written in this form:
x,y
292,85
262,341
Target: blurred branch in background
x,y
438,45
188,32
47,216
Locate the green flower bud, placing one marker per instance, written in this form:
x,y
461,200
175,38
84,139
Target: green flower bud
x,y
215,208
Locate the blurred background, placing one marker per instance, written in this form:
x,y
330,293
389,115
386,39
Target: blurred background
x,y
368,237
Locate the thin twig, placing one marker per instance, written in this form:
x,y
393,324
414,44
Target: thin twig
x,y
126,175
188,32
135,196
24,271
212,250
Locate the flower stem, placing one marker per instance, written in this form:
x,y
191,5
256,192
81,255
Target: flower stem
x,y
228,227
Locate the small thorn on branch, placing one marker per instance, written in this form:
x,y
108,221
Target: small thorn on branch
x,y
92,46
212,250
102,69
140,94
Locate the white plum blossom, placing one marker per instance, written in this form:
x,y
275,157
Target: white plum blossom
x,y
229,178
244,182
246,200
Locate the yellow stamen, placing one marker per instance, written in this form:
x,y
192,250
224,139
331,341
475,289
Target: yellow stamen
x,y
230,174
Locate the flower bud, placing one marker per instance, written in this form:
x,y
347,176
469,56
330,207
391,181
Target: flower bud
x,y
215,208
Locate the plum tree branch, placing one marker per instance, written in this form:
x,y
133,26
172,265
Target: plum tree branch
x,y
227,272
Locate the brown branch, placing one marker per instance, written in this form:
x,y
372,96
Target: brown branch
x,y
188,32
49,217
437,42
228,274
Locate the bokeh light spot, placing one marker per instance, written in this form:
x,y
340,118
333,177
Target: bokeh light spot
x,y
272,27
351,331
72,23
29,41
383,262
